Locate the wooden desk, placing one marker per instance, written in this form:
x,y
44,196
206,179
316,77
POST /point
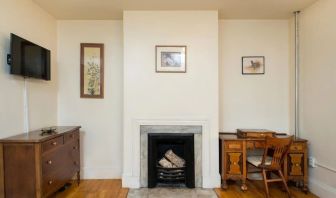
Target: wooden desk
x,y
233,154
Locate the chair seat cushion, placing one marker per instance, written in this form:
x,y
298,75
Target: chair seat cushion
x,y
256,160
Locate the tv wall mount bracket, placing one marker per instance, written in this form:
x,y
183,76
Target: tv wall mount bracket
x,y
9,59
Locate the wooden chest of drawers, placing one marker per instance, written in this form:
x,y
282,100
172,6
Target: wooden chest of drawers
x,y
32,165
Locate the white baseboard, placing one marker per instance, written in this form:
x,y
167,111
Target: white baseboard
x,y
100,173
321,189
213,181
130,181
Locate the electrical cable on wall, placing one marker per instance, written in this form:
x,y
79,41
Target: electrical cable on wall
x,y
25,106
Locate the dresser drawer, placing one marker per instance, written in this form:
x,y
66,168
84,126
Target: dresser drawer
x,y
74,154
51,161
68,137
52,144
233,146
53,182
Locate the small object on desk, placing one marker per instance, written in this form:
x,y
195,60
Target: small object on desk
x,y
48,131
255,133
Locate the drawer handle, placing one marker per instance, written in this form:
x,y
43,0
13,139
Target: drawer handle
x,y
71,136
50,182
49,162
74,148
54,143
75,163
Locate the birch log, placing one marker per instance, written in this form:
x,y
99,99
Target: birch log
x,y
175,159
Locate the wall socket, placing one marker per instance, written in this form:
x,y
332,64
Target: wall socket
x,y
312,162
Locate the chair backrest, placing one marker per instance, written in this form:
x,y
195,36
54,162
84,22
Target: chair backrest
x,y
279,148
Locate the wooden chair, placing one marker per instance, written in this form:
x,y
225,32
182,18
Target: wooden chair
x,y
272,160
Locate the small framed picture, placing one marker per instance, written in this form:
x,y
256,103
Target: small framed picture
x,y
171,59
92,70
253,65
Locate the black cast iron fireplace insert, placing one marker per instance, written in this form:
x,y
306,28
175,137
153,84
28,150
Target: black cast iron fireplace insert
x,y
182,144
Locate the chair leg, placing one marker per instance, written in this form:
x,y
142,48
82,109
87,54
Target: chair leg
x,y
284,182
265,182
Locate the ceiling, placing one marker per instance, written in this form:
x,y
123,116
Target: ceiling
x,y
228,9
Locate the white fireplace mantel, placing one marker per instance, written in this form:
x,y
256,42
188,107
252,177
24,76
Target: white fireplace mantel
x,y
131,178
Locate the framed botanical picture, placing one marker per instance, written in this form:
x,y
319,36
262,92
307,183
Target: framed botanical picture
x,y
92,70
253,65
171,59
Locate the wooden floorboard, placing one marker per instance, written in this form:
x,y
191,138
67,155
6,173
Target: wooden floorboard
x,y
112,189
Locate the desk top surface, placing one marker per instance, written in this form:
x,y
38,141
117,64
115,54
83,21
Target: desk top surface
x,y
233,136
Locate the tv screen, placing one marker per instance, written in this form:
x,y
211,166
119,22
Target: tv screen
x,y
29,59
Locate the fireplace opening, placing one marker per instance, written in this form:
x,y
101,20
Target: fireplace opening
x,y
171,160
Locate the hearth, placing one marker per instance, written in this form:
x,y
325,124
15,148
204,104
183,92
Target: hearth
x,y
171,160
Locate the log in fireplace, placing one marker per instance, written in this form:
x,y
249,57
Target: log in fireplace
x,y
171,160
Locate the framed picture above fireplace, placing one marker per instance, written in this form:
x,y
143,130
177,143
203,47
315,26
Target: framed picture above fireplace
x,y
171,59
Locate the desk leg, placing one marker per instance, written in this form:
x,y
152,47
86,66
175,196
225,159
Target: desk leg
x,y
305,165
305,187
244,176
224,185
224,167
243,186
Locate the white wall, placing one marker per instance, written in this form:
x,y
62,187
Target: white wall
x,y
26,19
254,101
318,95
191,96
101,119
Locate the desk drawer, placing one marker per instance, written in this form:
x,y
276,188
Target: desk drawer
x,y
52,144
233,145
250,145
297,147
259,144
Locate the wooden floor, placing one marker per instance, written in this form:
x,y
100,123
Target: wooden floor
x,y
113,189
94,189
256,190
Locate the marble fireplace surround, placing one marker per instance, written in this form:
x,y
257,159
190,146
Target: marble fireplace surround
x,y
132,155
146,129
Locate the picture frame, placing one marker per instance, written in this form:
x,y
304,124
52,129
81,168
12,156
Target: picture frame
x,y
171,58
253,65
92,70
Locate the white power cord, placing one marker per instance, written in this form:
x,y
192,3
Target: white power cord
x,y
25,107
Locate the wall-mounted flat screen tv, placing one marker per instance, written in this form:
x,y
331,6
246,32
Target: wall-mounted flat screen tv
x,y
28,59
